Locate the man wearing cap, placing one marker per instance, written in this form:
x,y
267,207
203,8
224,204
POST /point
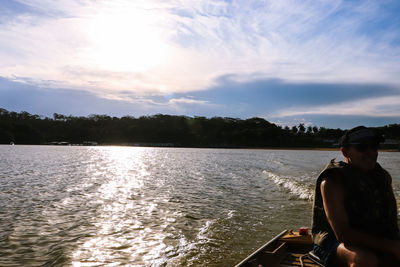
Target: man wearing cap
x,y
355,211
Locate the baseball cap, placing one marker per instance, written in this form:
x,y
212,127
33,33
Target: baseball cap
x,y
360,135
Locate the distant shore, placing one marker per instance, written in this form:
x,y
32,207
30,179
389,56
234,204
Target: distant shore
x,y
317,148
174,131
251,148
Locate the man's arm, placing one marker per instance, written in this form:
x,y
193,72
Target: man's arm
x,y
389,180
333,198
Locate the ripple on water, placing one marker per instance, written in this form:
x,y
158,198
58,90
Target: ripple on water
x,y
106,206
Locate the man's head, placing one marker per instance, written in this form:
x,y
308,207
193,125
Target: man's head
x,y
360,147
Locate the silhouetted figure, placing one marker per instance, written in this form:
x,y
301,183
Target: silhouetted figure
x,y
355,211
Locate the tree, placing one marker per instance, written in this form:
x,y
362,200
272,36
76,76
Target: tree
x,y
58,117
162,129
302,128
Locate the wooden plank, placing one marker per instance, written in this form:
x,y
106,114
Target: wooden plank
x,y
295,238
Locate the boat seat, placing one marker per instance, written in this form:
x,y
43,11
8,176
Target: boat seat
x,y
315,258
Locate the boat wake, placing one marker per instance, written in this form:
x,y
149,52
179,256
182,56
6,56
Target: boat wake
x,y
297,188
191,251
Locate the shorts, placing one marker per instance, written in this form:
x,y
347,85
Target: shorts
x,y
326,252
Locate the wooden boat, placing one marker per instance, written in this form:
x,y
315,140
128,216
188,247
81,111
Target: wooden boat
x,y
286,249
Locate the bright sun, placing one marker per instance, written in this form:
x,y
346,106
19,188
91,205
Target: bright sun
x,y
126,40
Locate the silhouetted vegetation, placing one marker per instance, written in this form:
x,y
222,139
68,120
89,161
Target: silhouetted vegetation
x,y
166,130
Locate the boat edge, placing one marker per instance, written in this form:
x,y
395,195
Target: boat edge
x,y
241,264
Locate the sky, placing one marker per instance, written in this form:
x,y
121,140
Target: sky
x,y
326,63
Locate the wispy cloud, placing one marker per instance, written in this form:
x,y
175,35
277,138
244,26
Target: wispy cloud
x,y
189,101
387,106
18,96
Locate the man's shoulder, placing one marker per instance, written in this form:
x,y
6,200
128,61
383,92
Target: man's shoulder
x,y
337,164
333,168
332,172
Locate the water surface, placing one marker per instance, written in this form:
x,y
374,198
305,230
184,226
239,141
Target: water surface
x,y
130,206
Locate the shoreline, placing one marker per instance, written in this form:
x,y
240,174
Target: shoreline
x,y
318,149
250,148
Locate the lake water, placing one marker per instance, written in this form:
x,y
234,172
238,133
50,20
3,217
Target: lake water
x,y
130,206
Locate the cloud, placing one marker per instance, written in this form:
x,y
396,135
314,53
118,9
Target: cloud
x,y
276,94
188,101
335,121
290,103
20,96
153,46
275,100
387,106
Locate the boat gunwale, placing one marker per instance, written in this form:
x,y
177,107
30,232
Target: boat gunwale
x,y
262,248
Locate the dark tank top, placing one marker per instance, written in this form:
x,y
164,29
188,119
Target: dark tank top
x,y
368,200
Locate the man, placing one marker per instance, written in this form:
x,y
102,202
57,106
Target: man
x,y
355,211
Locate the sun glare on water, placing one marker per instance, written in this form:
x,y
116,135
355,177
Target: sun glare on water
x,y
125,39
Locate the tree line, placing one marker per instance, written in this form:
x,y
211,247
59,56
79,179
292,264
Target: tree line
x,y
166,130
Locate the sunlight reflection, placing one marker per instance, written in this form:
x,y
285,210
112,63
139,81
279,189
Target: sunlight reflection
x,y
137,221
119,229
